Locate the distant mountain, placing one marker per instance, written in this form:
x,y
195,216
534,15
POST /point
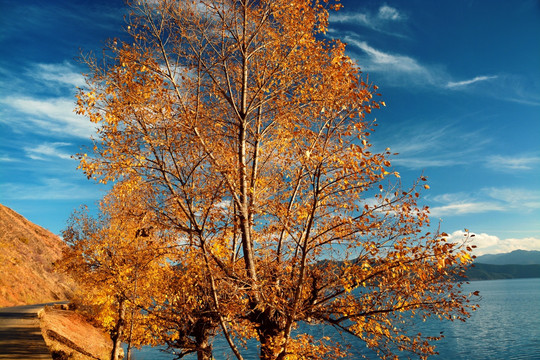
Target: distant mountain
x,y
494,272
517,257
518,264
27,252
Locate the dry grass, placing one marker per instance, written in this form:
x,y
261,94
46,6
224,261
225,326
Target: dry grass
x,y
27,253
70,336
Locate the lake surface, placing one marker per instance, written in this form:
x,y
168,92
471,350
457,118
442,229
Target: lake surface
x,y
506,326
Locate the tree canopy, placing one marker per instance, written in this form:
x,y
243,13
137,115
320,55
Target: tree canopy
x,y
244,133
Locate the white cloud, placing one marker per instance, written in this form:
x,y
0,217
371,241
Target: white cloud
x,y
396,69
507,87
459,84
511,163
422,146
491,244
389,13
462,208
54,115
50,189
64,73
387,20
513,198
381,21
401,70
348,17
486,200
47,150
6,158
40,100
424,162
383,61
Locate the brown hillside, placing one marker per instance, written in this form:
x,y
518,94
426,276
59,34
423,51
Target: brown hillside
x,y
27,252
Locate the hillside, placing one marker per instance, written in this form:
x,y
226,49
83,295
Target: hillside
x,y
495,272
517,257
518,264
27,252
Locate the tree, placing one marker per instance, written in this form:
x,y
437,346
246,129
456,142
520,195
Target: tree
x,y
181,315
130,279
250,128
115,259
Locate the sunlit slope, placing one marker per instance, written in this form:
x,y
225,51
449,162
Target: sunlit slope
x,y
27,252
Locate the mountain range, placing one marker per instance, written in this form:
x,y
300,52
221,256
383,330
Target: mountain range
x,y
517,264
516,257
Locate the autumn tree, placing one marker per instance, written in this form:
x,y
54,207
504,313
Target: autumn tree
x,y
250,128
182,315
116,258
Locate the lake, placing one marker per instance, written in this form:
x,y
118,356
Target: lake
x,y
506,326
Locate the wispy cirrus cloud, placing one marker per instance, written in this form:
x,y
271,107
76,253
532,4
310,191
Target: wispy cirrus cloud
x,y
43,79
389,13
463,83
429,145
395,69
463,207
45,116
381,61
506,87
491,244
50,189
7,158
463,203
510,163
40,100
400,70
47,151
61,73
514,198
485,200
381,21
424,145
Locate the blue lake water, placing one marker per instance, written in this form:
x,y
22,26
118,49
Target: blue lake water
x,y
506,326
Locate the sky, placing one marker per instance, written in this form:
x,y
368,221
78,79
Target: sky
x,y
460,79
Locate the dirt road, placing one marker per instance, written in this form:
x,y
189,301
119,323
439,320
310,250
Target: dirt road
x,y
20,334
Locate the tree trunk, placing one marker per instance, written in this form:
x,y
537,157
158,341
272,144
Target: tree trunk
x,y
271,346
204,348
270,336
204,352
128,354
117,334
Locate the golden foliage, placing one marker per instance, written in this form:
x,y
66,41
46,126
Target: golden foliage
x,y
244,134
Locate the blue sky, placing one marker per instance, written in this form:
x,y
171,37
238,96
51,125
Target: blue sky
x,y
461,80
